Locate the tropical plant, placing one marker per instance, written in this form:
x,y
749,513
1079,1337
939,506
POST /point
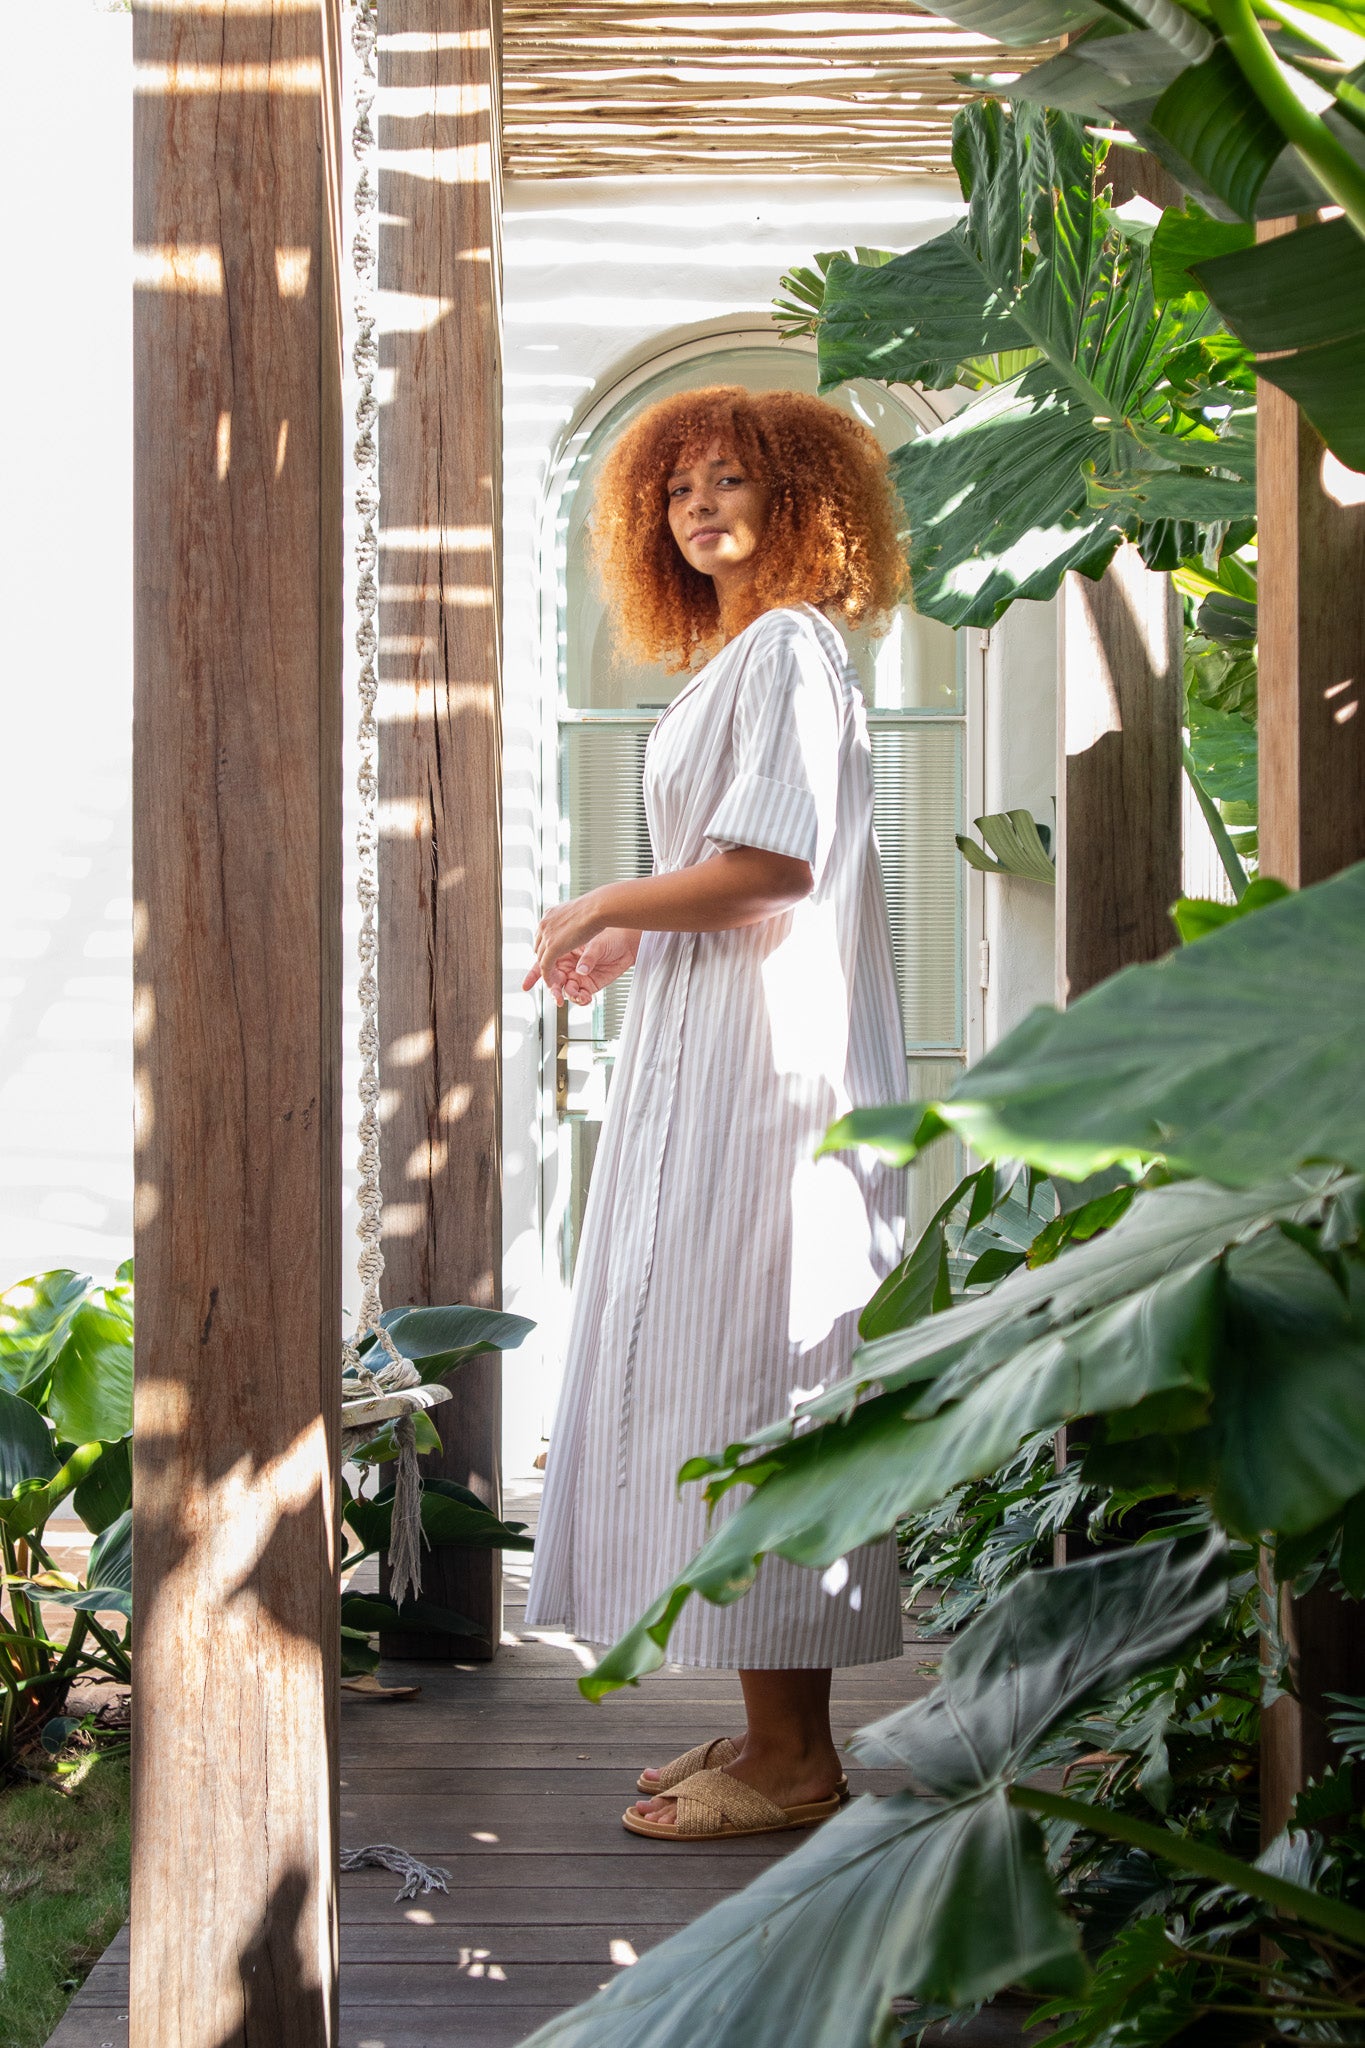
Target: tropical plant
x,y
436,1341
66,1386
1210,1327
886,1903
1215,1327
1258,112
1132,416
1021,846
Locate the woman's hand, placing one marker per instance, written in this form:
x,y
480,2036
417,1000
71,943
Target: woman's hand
x,y
602,961
561,937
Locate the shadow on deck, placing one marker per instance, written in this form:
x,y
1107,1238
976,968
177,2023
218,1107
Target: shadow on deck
x,y
506,1777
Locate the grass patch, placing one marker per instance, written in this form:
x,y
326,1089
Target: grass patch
x,y
63,1889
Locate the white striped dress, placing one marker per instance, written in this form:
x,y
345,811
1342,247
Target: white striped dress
x,y
721,1268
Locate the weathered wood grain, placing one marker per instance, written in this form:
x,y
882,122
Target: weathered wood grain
x,y
440,952
237,859
1311,625
1118,868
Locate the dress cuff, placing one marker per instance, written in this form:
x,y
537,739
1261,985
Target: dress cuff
x,y
777,817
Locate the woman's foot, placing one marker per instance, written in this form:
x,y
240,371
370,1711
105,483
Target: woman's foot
x,y
787,1778
723,1749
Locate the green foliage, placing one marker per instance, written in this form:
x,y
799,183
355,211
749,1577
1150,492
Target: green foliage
x,y
1125,422
888,1899
450,1514
1209,1060
65,1887
1254,125
66,1368
1019,843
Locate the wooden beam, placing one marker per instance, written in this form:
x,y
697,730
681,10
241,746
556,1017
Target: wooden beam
x,y
1312,650
1119,771
440,953
1311,635
237,862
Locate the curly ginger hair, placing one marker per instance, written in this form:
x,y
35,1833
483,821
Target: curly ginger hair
x,y
830,538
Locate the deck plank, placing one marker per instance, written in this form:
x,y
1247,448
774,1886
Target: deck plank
x,y
515,1784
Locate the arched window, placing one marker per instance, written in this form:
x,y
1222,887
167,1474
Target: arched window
x,y
914,682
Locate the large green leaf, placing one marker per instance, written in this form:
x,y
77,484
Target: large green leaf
x,y
367,1612
1224,748
92,1377
27,1450
33,1500
1299,301
888,1899
108,1587
450,1514
1053,1642
34,1315
439,1339
1287,1436
1224,135
1212,1059
1123,1322
1051,470
108,1491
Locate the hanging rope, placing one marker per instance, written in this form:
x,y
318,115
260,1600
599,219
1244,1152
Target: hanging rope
x,y
395,1373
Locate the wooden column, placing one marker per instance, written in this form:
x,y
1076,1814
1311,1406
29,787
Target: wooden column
x,y
440,968
1311,630
1118,796
1311,625
237,861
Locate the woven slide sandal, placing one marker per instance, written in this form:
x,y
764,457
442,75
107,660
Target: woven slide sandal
x,y
712,1755
707,1756
713,1804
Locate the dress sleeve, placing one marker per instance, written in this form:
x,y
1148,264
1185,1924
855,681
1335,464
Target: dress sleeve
x,y
783,793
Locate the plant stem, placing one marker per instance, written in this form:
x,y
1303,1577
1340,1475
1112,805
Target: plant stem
x,y
1187,1854
1341,177
1218,831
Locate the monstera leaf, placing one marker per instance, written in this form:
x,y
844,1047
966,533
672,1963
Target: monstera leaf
x,y
1211,1059
886,1901
1139,1325
1091,443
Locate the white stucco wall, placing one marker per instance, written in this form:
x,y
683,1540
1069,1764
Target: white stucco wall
x,y
66,1181
596,273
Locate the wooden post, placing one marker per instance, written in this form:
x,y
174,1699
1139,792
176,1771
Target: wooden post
x,y
1118,797
237,863
440,958
1311,632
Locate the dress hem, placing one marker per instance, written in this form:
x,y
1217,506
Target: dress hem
x,y
563,1626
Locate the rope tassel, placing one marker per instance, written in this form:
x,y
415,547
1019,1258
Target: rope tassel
x,y
418,1878
405,1534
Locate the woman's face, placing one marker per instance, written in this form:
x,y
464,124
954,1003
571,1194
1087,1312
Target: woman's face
x,y
717,512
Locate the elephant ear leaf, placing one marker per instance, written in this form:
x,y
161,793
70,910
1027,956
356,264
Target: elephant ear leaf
x,y
885,1902
1054,1641
1155,1061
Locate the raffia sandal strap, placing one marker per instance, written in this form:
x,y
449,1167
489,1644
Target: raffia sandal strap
x,y
712,1801
704,1756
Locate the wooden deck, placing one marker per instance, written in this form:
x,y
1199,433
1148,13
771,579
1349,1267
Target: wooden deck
x,y
505,1776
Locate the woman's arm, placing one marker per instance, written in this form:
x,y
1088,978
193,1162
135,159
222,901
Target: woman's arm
x,y
743,885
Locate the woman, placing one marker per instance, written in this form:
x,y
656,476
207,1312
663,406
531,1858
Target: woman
x,y
721,1268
